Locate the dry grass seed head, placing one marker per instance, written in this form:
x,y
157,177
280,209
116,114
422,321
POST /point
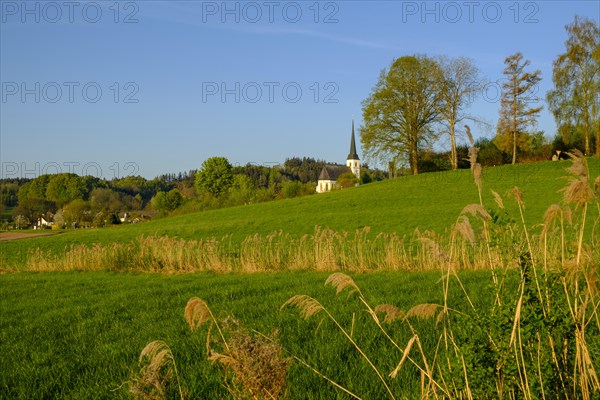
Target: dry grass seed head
x,y
478,174
223,359
255,365
464,228
578,192
155,373
498,199
469,135
568,215
423,311
157,352
196,313
473,151
518,195
578,168
571,270
406,351
435,249
597,184
340,282
552,214
306,304
442,314
478,211
391,312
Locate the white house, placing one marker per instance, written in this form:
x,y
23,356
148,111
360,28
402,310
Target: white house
x,y
44,221
123,217
330,173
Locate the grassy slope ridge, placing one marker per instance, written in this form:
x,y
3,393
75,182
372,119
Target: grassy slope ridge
x,y
427,201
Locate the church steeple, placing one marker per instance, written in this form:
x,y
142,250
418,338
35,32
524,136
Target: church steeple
x,y
352,155
353,162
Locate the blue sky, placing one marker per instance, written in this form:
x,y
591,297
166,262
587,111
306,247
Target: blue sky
x,y
149,87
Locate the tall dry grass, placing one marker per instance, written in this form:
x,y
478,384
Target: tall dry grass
x,y
323,250
539,342
254,365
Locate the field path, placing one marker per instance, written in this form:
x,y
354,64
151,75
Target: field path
x,y
20,235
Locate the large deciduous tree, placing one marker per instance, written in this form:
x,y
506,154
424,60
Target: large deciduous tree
x,y
36,189
460,85
575,99
167,201
214,177
66,187
33,208
77,213
402,109
516,115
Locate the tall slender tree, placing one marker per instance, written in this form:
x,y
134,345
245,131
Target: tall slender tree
x,y
402,109
460,85
575,99
518,91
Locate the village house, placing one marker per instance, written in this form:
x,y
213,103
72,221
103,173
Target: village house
x,y
45,221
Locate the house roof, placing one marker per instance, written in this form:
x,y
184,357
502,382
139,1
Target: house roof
x,y
353,155
333,172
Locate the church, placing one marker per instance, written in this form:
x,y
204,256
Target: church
x,y
330,173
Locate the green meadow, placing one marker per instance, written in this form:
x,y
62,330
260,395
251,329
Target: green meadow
x,y
78,335
526,325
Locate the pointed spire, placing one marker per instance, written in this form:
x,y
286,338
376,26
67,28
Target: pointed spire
x,y
352,155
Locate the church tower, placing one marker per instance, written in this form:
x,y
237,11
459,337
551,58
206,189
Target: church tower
x,y
353,162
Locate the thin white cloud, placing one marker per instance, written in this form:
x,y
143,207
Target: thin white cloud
x,y
175,12
316,34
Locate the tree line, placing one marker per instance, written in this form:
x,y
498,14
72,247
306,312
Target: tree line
x,y
420,99
70,200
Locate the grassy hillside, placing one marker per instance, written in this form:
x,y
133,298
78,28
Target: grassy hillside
x,y
79,334
428,201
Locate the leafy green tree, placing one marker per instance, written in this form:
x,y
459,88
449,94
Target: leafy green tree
x,y
291,189
130,184
242,190
575,100
515,114
365,177
59,218
215,176
21,221
77,212
9,194
32,209
134,185
304,169
489,155
98,221
36,189
64,188
569,137
346,180
107,200
167,201
402,109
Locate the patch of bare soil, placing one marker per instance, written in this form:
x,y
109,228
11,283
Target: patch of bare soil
x,y
22,235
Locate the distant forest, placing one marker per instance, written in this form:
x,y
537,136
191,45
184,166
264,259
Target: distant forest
x,y
70,200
